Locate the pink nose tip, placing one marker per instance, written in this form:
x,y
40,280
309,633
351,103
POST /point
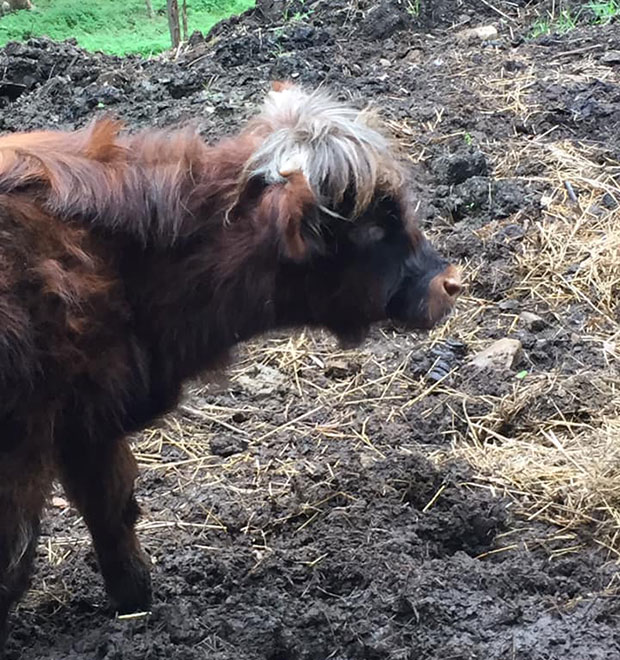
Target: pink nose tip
x,y
452,286
443,291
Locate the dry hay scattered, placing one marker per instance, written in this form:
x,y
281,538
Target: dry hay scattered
x,y
561,463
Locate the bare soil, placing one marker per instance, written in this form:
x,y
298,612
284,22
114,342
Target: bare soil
x,y
391,502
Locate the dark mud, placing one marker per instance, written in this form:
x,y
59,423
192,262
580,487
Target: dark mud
x,y
303,545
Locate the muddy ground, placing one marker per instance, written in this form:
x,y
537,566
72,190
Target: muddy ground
x,y
331,504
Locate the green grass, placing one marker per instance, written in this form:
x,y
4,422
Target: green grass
x,y
604,12
113,26
413,8
595,12
563,23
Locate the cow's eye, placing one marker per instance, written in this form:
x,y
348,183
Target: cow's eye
x,y
367,234
375,234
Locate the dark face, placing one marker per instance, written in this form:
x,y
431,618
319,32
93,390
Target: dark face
x,y
377,268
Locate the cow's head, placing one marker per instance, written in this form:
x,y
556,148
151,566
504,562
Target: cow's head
x,y
333,188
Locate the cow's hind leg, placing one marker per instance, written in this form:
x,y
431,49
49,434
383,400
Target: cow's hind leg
x,y
100,482
25,481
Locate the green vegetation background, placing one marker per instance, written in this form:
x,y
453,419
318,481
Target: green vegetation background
x,y
118,27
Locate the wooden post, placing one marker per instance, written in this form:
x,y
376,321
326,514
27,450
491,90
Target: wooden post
x,y
173,22
149,9
184,16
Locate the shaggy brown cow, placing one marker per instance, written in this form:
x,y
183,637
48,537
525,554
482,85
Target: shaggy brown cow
x,y
130,264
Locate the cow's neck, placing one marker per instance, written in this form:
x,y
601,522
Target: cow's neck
x,y
193,302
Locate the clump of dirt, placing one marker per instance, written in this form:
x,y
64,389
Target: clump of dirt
x,y
312,507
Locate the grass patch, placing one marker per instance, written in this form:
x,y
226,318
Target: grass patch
x,y
604,12
563,23
594,12
413,8
118,27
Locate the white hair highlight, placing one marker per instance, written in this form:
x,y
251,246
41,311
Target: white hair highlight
x,y
335,146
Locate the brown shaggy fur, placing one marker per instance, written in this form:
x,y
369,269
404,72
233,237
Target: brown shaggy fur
x,y
131,264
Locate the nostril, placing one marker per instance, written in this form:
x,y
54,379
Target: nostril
x,y
452,287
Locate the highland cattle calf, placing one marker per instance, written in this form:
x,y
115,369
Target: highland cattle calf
x,y
132,263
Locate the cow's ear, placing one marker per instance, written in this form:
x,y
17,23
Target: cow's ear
x,y
289,205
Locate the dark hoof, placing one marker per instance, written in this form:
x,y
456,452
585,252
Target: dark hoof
x,y
129,587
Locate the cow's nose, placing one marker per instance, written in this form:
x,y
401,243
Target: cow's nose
x,y
452,286
443,291
451,282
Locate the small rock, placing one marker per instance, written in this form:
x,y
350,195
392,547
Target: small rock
x,y
482,33
504,353
511,232
384,62
337,369
609,201
611,58
415,55
368,460
508,305
263,380
223,445
532,321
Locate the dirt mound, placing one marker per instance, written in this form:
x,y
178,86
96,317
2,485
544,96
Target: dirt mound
x,y
312,507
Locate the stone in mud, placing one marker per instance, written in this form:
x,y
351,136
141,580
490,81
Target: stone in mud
x,y
263,380
532,321
503,354
224,445
337,369
612,58
481,33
